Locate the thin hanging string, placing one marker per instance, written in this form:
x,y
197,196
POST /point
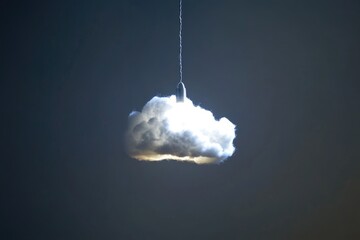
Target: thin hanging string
x,y
180,41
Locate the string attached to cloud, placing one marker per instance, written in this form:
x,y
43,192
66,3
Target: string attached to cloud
x,y
173,128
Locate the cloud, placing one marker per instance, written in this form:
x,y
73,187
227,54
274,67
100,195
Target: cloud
x,y
168,130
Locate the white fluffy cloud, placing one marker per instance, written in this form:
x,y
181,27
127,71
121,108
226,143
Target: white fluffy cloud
x,y
168,130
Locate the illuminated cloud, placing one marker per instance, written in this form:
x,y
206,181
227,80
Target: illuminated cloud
x,y
168,130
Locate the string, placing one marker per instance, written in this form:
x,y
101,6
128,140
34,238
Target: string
x,y
180,41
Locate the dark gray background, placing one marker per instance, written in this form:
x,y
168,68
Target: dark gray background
x,y
285,72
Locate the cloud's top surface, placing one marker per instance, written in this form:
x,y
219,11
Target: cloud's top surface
x,y
168,130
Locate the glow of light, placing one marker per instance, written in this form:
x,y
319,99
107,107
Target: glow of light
x,y
170,130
